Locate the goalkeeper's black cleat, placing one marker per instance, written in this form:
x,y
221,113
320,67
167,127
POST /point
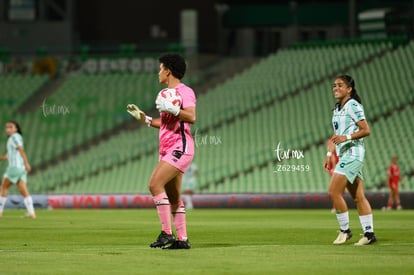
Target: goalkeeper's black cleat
x,y
179,245
163,239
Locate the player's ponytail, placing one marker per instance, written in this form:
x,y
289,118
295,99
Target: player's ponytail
x,y
351,83
19,130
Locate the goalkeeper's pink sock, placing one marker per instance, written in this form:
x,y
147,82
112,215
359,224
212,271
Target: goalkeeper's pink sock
x,y
163,208
178,212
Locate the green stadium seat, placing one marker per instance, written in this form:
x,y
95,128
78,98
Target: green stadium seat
x,y
251,113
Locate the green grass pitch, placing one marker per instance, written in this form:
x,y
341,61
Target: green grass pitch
x,y
225,241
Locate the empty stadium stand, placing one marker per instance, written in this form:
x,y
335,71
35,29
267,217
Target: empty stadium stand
x,y
284,102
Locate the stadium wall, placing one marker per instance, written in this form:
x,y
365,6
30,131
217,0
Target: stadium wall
x,y
258,201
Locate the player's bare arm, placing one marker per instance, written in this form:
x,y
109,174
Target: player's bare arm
x,y
329,160
331,146
26,162
362,132
188,115
156,122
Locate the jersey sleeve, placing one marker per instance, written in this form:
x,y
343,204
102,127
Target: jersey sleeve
x,y
189,99
356,111
17,141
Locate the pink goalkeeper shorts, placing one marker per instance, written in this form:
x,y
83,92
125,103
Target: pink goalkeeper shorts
x,y
178,159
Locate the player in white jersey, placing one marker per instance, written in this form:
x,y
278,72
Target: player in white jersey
x,y
189,184
350,127
17,169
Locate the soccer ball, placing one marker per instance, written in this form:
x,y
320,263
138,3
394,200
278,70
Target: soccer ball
x,y
171,95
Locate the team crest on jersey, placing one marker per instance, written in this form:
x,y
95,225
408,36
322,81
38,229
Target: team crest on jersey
x,y
342,165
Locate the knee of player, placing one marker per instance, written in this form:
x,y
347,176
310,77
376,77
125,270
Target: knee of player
x,y
359,198
152,188
332,192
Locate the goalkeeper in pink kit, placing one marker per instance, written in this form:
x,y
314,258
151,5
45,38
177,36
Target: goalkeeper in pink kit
x,y
176,151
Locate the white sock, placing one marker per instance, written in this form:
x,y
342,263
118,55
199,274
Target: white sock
x,y
28,202
343,220
3,201
188,202
367,223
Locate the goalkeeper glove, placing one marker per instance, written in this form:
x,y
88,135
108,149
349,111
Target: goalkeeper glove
x,y
134,111
164,105
137,114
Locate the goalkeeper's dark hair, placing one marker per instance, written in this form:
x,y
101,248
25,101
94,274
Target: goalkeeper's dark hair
x,y
175,63
19,130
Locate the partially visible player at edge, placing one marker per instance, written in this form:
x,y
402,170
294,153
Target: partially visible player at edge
x,y
189,185
393,179
350,127
176,151
17,169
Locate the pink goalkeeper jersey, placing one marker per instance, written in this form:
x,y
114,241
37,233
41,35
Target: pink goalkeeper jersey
x,y
174,133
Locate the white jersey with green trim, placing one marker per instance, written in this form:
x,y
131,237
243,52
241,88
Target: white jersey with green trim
x,y
344,122
13,155
189,176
